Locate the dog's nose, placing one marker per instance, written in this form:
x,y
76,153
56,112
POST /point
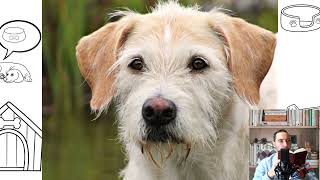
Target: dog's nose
x,y
158,111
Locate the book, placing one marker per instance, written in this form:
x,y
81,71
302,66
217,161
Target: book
x,y
298,157
275,115
274,123
255,117
314,155
312,162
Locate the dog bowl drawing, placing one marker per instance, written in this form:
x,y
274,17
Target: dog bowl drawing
x,y
300,18
14,34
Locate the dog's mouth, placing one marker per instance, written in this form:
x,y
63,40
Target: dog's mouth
x,y
161,135
157,154
158,144
2,76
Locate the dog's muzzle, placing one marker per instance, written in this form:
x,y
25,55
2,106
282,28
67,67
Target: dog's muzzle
x,y
158,113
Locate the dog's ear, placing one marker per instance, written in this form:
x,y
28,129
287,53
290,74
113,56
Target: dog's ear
x,y
96,53
249,51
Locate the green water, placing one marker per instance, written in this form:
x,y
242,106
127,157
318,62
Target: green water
x,y
80,149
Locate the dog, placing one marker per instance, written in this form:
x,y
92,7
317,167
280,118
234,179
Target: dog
x,y
183,81
14,72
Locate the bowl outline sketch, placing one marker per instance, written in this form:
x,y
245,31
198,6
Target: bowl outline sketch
x,y
14,34
300,25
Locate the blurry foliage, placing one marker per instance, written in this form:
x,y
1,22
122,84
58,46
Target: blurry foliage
x,y
75,147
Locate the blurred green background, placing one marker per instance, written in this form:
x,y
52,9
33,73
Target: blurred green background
x,y
74,146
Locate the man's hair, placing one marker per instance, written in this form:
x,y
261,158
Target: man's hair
x,y
279,131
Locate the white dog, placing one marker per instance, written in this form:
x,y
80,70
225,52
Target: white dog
x,y
183,81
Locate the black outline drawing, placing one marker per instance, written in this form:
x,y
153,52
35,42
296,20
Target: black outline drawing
x,y
28,136
14,37
19,72
293,23
8,54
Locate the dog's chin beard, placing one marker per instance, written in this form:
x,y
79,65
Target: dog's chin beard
x,y
160,143
163,154
161,135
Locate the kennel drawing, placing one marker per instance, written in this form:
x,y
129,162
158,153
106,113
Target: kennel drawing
x,y
20,141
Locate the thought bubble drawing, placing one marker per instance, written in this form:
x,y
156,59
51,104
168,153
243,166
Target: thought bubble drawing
x,y
19,36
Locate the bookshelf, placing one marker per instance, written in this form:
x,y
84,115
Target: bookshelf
x,y
304,127
313,167
281,127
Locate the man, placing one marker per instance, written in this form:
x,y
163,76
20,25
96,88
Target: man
x,y
265,169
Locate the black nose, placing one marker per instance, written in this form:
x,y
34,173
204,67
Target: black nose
x,y
158,111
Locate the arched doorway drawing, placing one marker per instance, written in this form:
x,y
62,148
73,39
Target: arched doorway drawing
x,y
14,151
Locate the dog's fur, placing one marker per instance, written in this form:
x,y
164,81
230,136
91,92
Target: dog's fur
x,y
212,105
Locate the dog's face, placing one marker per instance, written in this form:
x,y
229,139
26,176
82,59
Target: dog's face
x,y
12,75
173,71
172,81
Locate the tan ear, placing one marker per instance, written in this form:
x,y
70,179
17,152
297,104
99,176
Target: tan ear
x,y
250,51
96,53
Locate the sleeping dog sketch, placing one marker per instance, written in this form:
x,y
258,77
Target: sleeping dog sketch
x,y
14,72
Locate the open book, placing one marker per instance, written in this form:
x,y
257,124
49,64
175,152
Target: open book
x,y
298,157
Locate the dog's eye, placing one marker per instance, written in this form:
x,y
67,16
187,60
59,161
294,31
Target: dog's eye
x,y
198,63
136,64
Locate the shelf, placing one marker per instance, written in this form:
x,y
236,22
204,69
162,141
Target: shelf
x,y
284,127
313,167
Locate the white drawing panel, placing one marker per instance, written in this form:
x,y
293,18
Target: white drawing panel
x,y
21,45
23,84
297,62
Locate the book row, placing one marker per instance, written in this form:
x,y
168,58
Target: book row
x,y
281,117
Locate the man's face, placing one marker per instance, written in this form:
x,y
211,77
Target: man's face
x,y
282,141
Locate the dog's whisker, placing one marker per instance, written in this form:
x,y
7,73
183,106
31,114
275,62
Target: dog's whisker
x,y
160,151
142,144
142,149
188,148
170,150
148,148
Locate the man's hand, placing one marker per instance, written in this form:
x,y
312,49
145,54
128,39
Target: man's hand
x,y
271,172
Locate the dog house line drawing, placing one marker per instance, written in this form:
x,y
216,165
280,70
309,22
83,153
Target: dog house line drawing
x,y
20,141
300,18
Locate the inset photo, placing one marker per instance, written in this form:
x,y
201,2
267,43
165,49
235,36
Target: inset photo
x,y
284,143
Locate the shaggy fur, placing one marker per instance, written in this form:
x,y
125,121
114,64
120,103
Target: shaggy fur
x,y
209,137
